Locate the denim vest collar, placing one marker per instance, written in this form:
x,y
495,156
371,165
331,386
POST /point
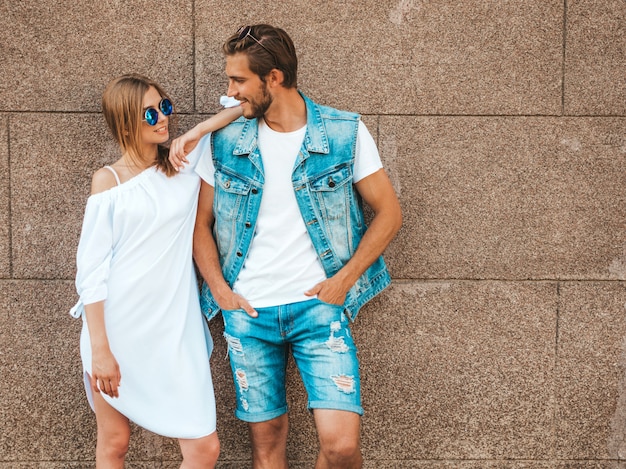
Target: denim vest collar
x,y
316,140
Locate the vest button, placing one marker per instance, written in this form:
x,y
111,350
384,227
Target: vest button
x,y
239,254
248,224
331,183
254,191
227,184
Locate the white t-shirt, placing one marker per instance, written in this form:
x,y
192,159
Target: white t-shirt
x,y
282,263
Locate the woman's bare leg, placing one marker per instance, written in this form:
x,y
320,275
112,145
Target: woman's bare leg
x,y
200,453
113,435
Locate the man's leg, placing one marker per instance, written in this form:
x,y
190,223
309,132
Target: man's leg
x,y
326,357
258,359
339,435
269,443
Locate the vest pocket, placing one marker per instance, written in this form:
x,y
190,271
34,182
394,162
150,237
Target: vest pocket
x,y
231,184
229,202
332,191
334,196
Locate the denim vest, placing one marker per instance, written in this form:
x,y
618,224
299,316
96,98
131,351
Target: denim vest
x,y
322,182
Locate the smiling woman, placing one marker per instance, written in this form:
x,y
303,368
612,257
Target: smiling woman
x,y
140,138
138,289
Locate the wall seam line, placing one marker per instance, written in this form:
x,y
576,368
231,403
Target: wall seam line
x,y
564,58
553,448
193,56
10,202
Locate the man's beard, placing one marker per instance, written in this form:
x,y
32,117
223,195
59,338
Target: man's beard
x,y
258,109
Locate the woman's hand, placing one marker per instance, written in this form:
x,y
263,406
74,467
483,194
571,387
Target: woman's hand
x,y
105,373
182,146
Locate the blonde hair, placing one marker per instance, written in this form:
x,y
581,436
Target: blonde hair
x,y
122,107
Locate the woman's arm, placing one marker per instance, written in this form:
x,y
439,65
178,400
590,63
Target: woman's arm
x,y
105,371
183,145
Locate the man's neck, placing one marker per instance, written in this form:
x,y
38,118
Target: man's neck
x,y
287,112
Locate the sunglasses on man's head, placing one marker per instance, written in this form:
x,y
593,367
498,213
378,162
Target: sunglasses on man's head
x,y
151,115
245,32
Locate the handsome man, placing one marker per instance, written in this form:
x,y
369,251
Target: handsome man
x,y
281,242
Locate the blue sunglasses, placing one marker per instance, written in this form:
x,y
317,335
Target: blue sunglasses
x,y
151,115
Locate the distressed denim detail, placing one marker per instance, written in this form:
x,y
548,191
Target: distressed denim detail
x,y
318,335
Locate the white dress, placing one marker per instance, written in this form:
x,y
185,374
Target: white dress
x,y
135,252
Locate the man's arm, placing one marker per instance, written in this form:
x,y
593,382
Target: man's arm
x,y
207,258
377,191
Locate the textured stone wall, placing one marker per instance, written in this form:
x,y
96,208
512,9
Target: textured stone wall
x,y
502,123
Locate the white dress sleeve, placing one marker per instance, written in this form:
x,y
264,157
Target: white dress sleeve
x,y
229,101
204,167
95,249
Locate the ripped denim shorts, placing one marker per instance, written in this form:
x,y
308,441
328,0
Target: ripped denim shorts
x,y
319,338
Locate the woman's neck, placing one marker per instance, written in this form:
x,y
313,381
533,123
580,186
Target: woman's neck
x,y
134,165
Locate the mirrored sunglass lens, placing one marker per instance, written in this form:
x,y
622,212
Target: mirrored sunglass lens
x,y
243,32
166,106
152,116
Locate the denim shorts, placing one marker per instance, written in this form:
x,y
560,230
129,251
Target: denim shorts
x,y
318,336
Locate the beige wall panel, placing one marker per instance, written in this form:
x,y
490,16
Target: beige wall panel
x,y
5,202
47,465
595,63
458,371
54,158
391,57
591,390
248,464
432,464
90,464
551,464
590,465
63,53
42,399
510,198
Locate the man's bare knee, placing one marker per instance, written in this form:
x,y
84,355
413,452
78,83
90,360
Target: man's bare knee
x,y
271,430
341,451
269,442
339,437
